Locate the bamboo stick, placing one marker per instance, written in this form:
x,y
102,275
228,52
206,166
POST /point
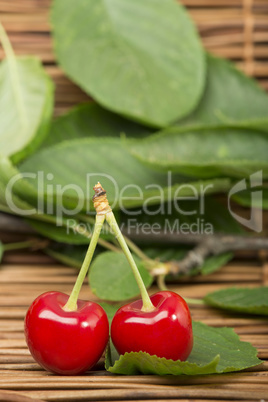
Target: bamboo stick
x,y
15,359
10,335
235,267
97,381
13,343
66,279
33,258
260,370
111,385
23,367
74,384
16,397
209,392
39,22
19,352
44,279
52,270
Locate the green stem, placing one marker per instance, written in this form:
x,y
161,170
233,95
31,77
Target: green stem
x,y
14,75
101,242
131,245
6,42
194,301
161,282
71,304
20,245
147,304
136,249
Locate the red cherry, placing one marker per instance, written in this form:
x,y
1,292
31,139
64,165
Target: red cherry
x,y
165,331
65,342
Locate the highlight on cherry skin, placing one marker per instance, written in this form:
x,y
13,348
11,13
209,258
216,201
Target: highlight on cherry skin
x,y
165,331
65,342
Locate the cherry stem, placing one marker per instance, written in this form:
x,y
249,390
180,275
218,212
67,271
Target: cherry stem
x,y
147,304
21,245
71,304
136,250
6,42
194,301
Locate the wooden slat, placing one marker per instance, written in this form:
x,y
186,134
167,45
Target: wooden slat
x,y
193,392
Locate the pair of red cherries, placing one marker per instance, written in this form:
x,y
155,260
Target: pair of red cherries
x,y
72,342
66,335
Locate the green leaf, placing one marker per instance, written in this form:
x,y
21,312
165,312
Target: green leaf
x,y
110,309
212,264
198,214
216,350
26,103
61,234
1,251
245,198
166,254
205,152
143,60
89,160
72,256
13,203
15,185
243,300
12,200
111,278
135,363
230,97
91,120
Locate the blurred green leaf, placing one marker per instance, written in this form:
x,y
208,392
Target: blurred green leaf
x,y
243,300
72,256
213,263
61,234
190,213
111,278
26,102
91,120
204,152
245,198
230,97
110,309
119,57
75,166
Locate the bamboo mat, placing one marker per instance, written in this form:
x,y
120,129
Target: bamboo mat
x,y
235,29
21,378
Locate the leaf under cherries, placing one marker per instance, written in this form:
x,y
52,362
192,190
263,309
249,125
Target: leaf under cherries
x,y
216,350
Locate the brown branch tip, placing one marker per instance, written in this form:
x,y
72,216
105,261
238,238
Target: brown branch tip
x,y
100,201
